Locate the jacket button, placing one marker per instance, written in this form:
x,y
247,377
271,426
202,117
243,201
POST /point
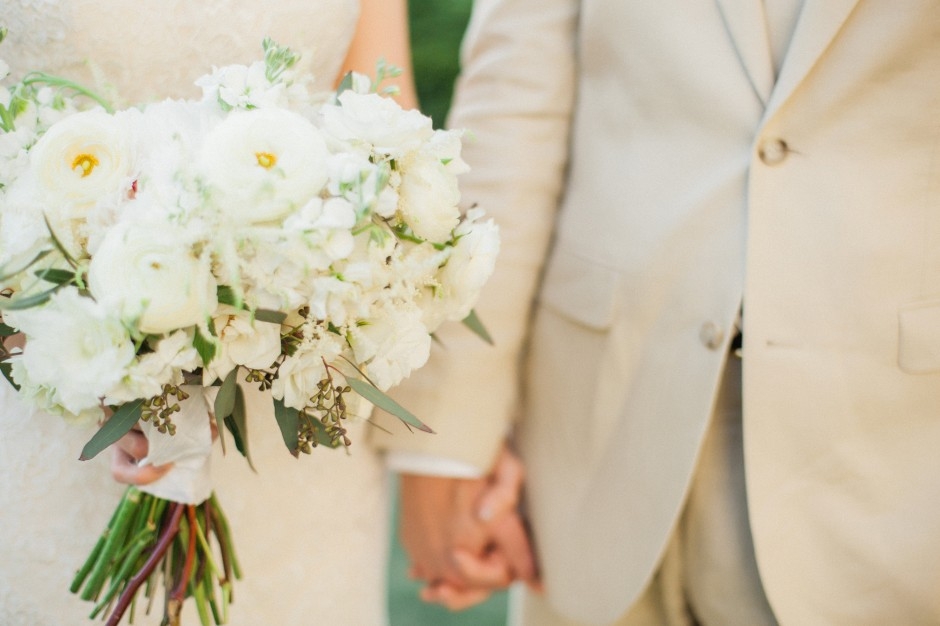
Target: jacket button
x,y
773,151
711,335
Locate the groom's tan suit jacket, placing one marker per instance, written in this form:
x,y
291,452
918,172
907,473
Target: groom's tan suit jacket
x,y
681,177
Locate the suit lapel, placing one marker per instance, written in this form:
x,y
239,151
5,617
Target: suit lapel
x,y
819,22
746,23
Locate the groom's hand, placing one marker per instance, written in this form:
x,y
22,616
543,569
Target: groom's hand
x,y
465,537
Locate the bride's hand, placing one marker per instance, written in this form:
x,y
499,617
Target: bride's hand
x,y
126,454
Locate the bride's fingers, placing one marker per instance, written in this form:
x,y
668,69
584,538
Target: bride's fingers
x,y
125,456
124,469
134,444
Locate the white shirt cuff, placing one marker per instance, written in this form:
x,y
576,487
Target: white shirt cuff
x,y
429,465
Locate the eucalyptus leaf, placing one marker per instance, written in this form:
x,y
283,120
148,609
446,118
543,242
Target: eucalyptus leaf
x,y
112,430
227,295
56,276
345,84
225,402
272,317
238,425
6,369
58,243
288,419
384,402
473,322
205,346
28,302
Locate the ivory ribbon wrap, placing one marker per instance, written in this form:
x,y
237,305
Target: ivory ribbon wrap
x,y
190,450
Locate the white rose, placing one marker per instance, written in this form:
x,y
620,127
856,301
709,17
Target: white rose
x,y
299,374
262,164
377,121
172,355
75,349
391,346
428,197
470,264
243,341
82,160
150,272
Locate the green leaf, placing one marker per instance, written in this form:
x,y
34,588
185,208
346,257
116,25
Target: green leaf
x,y
238,426
385,403
227,295
225,402
112,430
27,302
345,85
58,243
205,346
58,277
6,369
7,331
288,419
273,317
473,323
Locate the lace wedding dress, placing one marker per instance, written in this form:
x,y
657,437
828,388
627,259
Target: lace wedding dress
x,y
310,533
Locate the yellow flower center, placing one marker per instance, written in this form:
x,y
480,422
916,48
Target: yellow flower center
x,y
266,159
84,164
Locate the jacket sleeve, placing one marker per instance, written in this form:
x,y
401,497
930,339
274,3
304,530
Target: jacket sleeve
x,y
514,97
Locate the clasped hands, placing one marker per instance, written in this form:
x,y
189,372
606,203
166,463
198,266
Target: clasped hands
x,y
465,537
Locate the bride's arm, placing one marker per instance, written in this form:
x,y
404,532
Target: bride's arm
x,y
382,33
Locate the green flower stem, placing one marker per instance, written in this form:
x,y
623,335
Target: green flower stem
x,y
167,536
96,551
224,535
116,532
143,539
56,81
199,595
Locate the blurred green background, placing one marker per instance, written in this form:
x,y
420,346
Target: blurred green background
x,y
436,29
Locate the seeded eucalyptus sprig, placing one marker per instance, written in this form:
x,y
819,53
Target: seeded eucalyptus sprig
x,y
160,409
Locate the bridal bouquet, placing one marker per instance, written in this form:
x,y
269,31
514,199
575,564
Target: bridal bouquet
x,y
158,258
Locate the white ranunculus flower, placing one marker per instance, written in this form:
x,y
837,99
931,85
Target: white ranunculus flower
x,y
391,346
428,197
82,160
262,164
243,341
151,273
76,350
378,121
